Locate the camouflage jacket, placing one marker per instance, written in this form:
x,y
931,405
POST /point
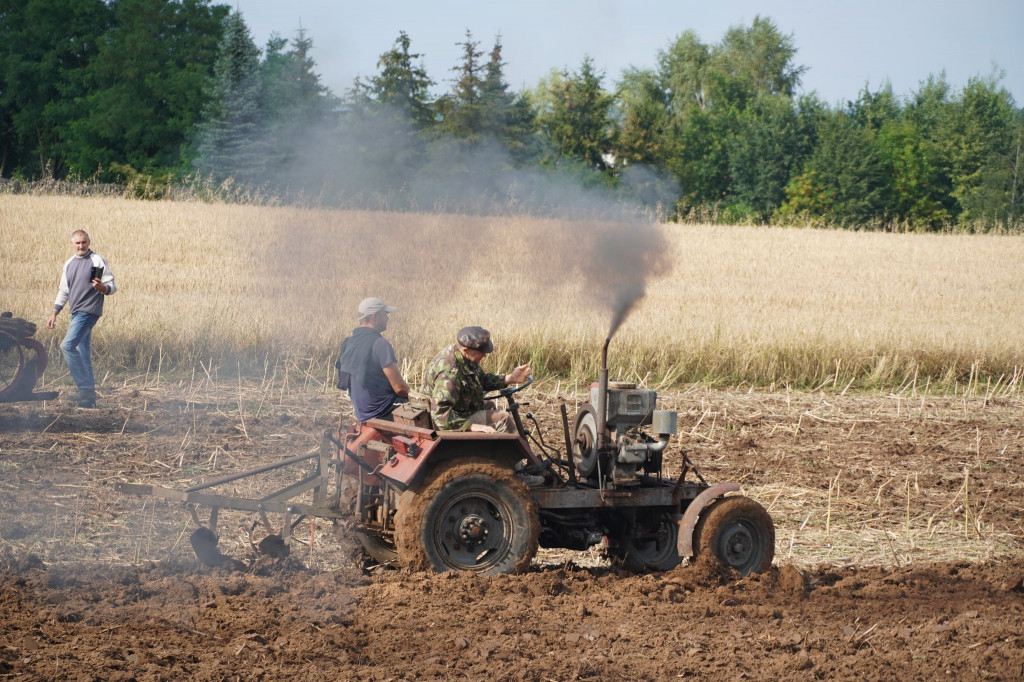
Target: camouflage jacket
x,y
456,388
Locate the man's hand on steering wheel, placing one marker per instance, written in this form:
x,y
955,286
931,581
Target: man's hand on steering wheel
x,y
506,392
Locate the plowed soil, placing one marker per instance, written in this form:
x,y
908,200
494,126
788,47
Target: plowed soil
x,y
899,546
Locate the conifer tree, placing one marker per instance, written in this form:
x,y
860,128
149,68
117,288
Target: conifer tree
x,y
462,110
843,180
301,113
643,118
774,136
401,85
482,107
984,139
291,87
382,122
579,123
231,142
507,115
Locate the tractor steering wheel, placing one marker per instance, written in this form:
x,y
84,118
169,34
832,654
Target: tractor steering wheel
x,y
507,392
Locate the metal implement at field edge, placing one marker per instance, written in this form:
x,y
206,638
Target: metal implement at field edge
x,y
22,361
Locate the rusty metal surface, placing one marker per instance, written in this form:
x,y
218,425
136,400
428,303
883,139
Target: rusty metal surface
x,y
228,501
22,362
665,495
405,469
692,514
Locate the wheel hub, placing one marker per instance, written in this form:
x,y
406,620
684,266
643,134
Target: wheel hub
x,y
473,530
738,545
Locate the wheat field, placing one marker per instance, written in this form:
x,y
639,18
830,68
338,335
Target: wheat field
x,y
248,287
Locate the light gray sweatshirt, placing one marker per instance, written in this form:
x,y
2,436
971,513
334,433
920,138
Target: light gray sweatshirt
x,y
76,284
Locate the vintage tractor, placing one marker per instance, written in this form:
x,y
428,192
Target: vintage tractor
x,y
484,502
22,361
454,501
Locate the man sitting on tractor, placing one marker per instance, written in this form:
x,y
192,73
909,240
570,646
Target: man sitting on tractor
x,y
456,384
367,366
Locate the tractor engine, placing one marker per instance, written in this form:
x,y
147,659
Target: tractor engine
x,y
610,444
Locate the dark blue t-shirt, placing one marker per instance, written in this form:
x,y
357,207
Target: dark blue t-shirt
x,y
370,389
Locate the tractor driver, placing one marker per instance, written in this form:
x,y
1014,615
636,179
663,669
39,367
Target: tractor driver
x,y
456,385
367,366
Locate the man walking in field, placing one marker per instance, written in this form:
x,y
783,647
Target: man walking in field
x,y
367,366
456,385
84,282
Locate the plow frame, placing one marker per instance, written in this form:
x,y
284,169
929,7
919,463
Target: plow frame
x,y
325,482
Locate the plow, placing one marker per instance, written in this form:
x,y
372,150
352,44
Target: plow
x,y
428,499
22,361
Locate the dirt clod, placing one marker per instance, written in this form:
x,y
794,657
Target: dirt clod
x,y
793,581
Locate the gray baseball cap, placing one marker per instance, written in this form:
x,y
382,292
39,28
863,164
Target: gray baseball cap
x,y
369,306
475,338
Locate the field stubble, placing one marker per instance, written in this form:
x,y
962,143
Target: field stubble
x,y
272,289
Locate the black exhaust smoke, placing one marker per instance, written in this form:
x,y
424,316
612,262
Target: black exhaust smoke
x,y
623,256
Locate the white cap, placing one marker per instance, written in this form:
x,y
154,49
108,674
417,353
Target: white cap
x,y
369,306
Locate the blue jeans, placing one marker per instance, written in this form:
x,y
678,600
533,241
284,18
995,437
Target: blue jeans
x,y
76,350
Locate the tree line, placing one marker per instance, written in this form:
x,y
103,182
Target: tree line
x,y
162,90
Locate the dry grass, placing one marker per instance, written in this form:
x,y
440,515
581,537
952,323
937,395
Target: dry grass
x,y
273,288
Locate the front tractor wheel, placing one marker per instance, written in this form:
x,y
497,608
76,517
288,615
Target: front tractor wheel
x,y
738,532
468,516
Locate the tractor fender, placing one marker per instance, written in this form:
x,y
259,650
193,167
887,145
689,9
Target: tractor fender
x,y
684,542
407,470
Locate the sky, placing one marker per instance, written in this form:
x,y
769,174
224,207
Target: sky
x,y
845,44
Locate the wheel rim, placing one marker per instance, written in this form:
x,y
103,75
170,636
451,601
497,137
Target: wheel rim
x,y
585,447
40,355
739,546
473,531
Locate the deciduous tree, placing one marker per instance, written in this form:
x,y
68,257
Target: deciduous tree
x,y
45,47
146,86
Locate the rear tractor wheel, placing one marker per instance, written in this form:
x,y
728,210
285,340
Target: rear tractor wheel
x,y
11,359
469,515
